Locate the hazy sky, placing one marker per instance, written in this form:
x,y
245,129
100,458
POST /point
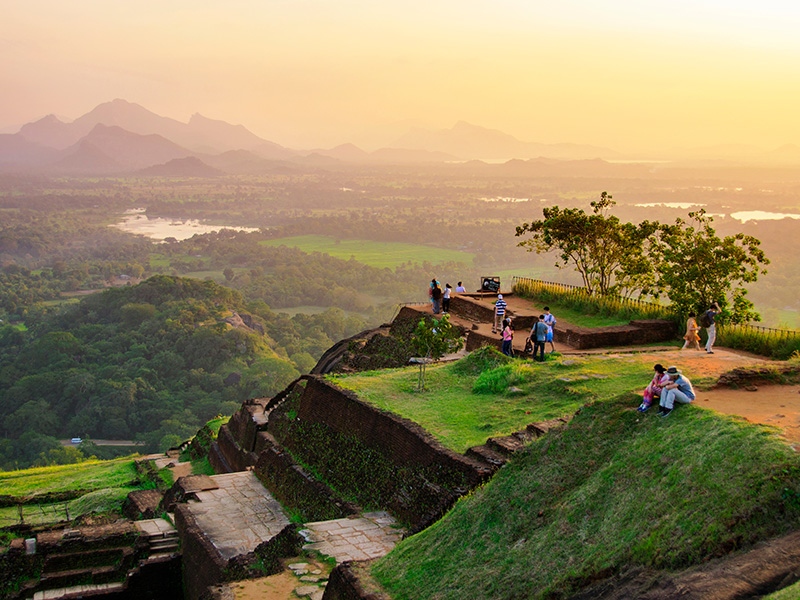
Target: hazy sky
x,y
628,74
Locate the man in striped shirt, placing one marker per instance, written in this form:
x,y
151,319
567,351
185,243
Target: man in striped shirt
x,y
499,312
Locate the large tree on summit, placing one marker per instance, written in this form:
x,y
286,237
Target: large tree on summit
x,y
697,267
611,256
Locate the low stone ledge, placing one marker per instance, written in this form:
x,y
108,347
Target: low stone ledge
x,y
346,583
142,504
184,489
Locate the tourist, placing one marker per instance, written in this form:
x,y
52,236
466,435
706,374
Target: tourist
x,y
499,312
460,288
436,298
678,389
550,321
508,337
539,337
711,326
446,297
692,335
432,285
655,388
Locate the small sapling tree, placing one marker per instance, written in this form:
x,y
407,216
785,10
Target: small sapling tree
x,y
431,340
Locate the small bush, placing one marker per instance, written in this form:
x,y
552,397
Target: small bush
x,y
481,360
499,379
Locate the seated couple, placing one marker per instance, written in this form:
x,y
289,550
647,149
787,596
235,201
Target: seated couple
x,y
669,386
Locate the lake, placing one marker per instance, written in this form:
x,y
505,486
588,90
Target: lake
x,y
161,228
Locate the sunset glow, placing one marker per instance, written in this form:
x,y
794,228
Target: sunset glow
x,y
633,76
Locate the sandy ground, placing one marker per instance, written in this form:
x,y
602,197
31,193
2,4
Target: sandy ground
x,y
277,587
181,469
777,405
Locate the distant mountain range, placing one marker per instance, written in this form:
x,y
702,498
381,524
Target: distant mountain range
x,y
121,137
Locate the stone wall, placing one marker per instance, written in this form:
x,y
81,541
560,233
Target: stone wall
x,y
295,488
410,473
584,338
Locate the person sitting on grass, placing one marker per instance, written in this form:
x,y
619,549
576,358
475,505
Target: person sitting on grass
x,y
654,388
679,389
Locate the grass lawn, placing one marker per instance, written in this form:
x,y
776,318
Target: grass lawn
x,y
374,254
613,490
580,319
462,409
103,500
89,475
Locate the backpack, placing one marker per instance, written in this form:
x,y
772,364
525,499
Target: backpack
x,y
704,320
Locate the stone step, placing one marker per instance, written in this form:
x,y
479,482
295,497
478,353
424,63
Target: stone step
x,y
77,577
506,445
486,455
164,535
67,561
80,591
164,545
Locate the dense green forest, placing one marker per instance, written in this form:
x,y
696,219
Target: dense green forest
x,y
150,362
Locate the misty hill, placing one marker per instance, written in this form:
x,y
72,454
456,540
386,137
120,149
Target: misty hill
x,y
191,166
467,141
201,134
17,151
113,150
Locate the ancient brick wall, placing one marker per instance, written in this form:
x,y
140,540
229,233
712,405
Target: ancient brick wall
x,y
295,488
202,564
401,467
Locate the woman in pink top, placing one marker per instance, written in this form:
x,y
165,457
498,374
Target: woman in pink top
x,y
508,336
654,388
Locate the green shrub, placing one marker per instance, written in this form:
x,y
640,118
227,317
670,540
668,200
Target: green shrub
x,y
482,359
499,379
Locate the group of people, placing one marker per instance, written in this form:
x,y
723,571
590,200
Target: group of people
x,y
708,320
440,298
541,332
668,386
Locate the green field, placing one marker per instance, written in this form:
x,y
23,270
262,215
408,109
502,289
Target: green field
x,y
374,254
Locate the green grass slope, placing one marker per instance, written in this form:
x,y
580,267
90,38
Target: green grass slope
x,y
612,489
486,394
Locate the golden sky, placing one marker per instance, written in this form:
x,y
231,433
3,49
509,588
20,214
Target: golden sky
x,y
633,75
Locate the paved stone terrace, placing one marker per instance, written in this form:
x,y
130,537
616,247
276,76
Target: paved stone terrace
x,y
370,535
154,527
239,515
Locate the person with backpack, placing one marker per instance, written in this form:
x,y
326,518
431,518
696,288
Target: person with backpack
x,y
539,338
708,320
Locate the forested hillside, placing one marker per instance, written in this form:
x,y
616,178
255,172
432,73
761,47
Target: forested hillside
x,y
150,362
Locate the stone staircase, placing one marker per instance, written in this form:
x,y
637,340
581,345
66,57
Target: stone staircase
x,y
162,537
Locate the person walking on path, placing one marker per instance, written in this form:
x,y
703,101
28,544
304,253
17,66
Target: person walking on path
x,y
460,288
446,297
711,328
679,389
692,335
436,298
550,321
508,337
499,312
539,338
